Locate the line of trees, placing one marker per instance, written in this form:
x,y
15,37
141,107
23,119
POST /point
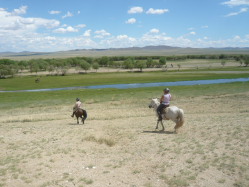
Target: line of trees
x,y
61,66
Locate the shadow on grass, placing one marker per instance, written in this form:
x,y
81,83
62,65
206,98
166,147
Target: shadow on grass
x,y
160,132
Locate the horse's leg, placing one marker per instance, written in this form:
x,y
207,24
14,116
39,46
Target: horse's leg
x,y
82,119
157,124
162,125
77,120
177,126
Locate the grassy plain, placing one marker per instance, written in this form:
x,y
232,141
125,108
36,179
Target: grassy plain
x,y
41,145
28,82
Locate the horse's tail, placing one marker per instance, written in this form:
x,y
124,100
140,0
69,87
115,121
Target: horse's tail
x,y
180,118
84,114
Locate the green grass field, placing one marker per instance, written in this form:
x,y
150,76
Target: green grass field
x,y
40,99
28,82
20,99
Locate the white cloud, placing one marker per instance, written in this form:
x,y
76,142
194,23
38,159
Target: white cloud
x,y
242,10
13,22
65,30
87,33
204,27
155,39
154,31
81,26
19,11
135,10
44,42
131,21
68,14
191,28
19,33
54,12
236,2
237,37
101,33
236,41
120,37
34,42
119,41
156,11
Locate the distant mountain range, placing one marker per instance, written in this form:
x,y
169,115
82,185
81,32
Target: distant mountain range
x,y
160,47
160,50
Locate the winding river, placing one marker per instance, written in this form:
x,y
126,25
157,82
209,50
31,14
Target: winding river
x,y
139,85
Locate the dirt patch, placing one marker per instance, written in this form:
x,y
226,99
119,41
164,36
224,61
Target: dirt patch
x,y
118,145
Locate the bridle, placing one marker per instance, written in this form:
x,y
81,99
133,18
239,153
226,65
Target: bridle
x,y
154,105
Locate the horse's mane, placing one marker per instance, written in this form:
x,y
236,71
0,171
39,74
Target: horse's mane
x,y
156,100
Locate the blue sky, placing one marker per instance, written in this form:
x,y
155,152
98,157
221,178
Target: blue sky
x,y
55,25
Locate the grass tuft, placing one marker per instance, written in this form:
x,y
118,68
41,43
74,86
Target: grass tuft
x,y
108,142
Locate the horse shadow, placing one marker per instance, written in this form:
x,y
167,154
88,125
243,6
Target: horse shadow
x,y
159,132
75,124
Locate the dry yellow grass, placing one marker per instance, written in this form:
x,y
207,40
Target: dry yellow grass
x,y
118,146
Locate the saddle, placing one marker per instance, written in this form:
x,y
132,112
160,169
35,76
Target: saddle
x,y
75,109
164,112
79,109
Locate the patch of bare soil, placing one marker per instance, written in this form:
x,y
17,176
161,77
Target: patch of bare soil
x,y
118,145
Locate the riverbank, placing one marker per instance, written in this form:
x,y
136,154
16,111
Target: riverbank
x,y
90,79
139,85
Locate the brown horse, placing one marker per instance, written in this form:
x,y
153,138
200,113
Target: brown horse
x,y
81,114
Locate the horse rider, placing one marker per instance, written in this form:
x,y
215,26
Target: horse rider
x,y
164,103
77,106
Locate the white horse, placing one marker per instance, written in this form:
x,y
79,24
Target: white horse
x,y
170,113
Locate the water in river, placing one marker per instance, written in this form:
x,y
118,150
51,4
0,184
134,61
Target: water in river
x,y
140,85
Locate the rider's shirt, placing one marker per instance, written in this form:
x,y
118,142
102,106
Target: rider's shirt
x,y
166,99
77,105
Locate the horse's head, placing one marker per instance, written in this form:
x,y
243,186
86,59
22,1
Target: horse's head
x,y
154,103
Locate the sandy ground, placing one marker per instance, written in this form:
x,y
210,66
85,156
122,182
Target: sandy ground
x,y
118,145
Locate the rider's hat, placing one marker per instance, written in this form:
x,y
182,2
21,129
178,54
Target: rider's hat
x,y
166,89
77,99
